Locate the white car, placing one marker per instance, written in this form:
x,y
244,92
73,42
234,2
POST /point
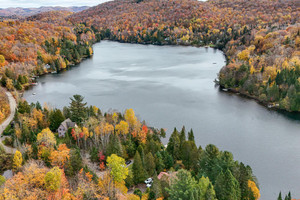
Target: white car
x,y
148,185
149,181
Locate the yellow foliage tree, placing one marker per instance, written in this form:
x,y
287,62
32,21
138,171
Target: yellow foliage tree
x,y
244,55
130,118
122,128
254,189
18,159
59,157
46,137
53,179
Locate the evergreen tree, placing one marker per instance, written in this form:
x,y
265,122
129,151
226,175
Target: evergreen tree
x,y
156,187
207,191
173,147
168,160
159,162
140,149
227,187
210,193
139,174
150,164
189,153
77,109
162,133
55,118
114,146
191,136
279,196
184,187
209,163
182,136
288,197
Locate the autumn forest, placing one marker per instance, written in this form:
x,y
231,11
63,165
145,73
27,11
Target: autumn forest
x,y
83,152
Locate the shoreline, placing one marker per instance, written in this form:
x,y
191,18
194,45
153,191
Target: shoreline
x,y
267,105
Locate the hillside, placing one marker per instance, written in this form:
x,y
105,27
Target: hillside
x,y
25,12
260,38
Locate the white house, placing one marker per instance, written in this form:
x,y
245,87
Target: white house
x,y
64,126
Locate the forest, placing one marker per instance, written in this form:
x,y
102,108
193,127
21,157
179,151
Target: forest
x,y
88,162
110,155
261,39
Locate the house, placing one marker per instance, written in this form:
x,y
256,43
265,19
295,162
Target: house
x,y
166,176
64,126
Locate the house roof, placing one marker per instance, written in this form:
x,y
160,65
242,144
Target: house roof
x,y
68,124
161,174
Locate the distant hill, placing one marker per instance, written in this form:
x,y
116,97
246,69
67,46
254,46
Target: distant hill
x,y
25,12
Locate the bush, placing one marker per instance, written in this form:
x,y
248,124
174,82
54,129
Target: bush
x,y
8,141
2,180
8,131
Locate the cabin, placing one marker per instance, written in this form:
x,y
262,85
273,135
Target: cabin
x,y
64,126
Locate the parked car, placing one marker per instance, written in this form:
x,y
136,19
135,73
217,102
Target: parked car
x,y
149,181
148,185
128,162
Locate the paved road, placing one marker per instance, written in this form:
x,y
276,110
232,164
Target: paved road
x,y
13,106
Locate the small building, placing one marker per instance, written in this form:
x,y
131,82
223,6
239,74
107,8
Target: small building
x,y
64,126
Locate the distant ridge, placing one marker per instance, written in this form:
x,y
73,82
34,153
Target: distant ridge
x,y
25,12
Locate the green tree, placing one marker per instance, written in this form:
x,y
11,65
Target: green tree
x,y
150,164
78,109
139,174
173,147
209,163
184,187
279,196
207,191
140,149
74,163
156,187
227,187
168,160
114,146
191,136
53,179
190,154
2,180
55,118
118,169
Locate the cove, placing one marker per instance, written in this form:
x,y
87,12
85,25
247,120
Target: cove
x,y
172,86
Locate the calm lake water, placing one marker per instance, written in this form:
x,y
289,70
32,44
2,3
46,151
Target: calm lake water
x,y
172,86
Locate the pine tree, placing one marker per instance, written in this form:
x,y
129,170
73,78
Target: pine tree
x,y
114,146
150,164
173,147
279,196
189,154
182,136
139,174
140,149
156,187
191,136
56,118
227,187
77,109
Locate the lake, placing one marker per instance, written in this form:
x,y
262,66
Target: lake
x,y
172,86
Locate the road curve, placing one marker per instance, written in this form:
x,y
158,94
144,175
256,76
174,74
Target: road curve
x,y
13,106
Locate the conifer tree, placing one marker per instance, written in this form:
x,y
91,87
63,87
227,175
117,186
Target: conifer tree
x,y
279,196
77,109
139,174
150,164
114,146
191,136
227,187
